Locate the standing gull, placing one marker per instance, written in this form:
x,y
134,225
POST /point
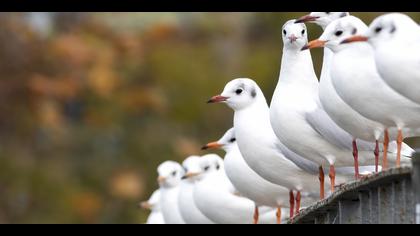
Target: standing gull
x,y
153,204
189,211
358,83
296,111
344,115
170,174
396,41
248,183
216,198
257,141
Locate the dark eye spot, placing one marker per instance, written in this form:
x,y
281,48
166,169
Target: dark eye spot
x,y
393,29
174,173
327,12
338,33
378,29
284,32
354,31
232,140
206,168
253,93
239,91
303,32
186,170
217,167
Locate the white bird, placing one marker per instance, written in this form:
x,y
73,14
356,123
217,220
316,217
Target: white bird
x,y
248,183
153,204
216,198
170,174
358,83
396,41
256,139
297,116
343,115
189,211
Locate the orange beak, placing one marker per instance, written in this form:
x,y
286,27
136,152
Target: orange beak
x,y
146,205
314,44
212,145
191,175
161,179
217,99
307,18
356,38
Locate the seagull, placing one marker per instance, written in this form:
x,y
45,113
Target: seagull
x,y
296,111
256,139
248,183
395,38
170,174
153,205
358,83
360,127
189,211
216,197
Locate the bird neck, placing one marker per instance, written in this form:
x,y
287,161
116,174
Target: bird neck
x,y
254,118
326,62
297,66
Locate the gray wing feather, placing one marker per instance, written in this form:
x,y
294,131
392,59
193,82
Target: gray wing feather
x,y
301,162
328,129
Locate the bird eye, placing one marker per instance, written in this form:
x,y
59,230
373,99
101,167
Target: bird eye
x,y
303,32
232,140
338,33
238,91
327,12
206,168
174,173
284,32
378,29
354,31
185,170
217,167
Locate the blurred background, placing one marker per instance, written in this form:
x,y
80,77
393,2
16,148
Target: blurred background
x,y
92,103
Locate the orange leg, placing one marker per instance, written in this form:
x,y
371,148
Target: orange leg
x,y
321,183
332,178
256,215
298,198
278,215
386,144
377,156
399,146
292,203
356,159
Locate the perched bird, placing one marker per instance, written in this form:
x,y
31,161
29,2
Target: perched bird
x,y
247,182
395,40
170,174
256,139
296,111
361,128
153,204
355,78
189,211
216,198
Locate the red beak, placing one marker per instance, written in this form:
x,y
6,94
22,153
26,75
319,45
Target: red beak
x,y
217,99
357,38
306,18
